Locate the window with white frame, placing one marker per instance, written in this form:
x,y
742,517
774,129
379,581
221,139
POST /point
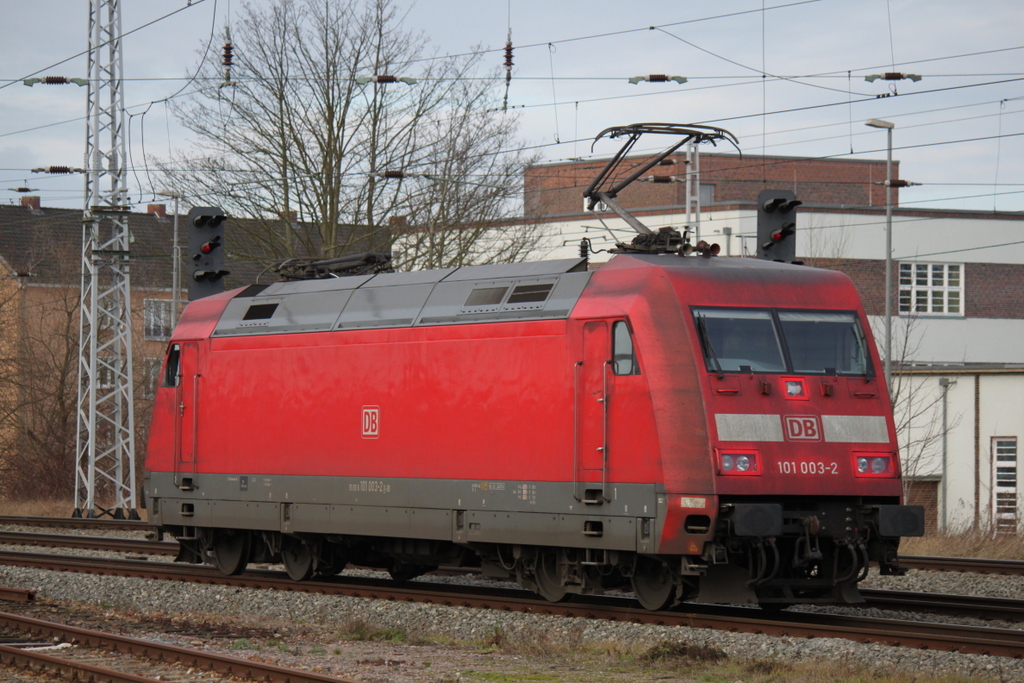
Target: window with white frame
x,y
931,288
158,319
1004,484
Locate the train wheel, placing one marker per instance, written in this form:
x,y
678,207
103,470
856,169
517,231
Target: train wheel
x,y
231,551
549,584
297,558
653,584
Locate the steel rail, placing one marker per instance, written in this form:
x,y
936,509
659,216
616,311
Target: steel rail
x,y
946,637
207,661
107,543
65,668
976,565
977,606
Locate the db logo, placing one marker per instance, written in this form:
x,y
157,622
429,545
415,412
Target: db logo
x,y
802,427
371,422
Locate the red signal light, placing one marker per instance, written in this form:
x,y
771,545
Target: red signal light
x,y
208,247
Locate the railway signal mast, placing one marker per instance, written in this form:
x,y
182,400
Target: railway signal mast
x,y
105,449
776,225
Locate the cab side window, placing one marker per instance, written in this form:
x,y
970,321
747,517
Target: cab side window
x,y
171,366
623,355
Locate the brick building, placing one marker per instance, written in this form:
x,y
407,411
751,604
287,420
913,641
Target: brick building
x,y
40,277
958,297
726,180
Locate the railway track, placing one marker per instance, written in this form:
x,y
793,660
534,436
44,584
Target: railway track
x,y
955,605
974,565
104,543
922,562
77,523
938,636
90,655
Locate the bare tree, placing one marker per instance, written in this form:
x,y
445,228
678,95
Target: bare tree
x,y
39,363
338,127
39,385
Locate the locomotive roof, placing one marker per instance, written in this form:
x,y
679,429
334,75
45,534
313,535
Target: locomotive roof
x,y
541,290
511,291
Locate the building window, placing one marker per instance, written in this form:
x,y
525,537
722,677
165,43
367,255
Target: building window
x,y
1004,484
158,319
707,194
931,288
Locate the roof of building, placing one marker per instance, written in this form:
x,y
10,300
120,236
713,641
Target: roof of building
x,y
44,245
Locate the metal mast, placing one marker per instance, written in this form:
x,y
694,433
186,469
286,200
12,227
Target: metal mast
x,y
105,454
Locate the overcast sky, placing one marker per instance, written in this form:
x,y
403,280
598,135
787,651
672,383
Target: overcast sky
x,y
959,130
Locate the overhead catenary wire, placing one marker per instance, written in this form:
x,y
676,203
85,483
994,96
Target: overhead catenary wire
x,y
576,102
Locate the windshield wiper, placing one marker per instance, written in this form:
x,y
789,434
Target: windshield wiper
x,y
703,329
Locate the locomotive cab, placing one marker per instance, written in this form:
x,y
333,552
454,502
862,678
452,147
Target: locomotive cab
x,y
802,444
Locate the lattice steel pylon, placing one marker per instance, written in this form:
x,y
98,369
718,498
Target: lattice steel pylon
x,y
105,453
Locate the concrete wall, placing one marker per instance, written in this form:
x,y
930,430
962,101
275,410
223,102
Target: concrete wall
x,y
980,408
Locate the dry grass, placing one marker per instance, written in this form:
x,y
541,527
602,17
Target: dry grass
x,y
968,543
42,508
37,508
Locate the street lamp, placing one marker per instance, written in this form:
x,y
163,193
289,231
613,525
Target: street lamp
x,y
879,123
176,252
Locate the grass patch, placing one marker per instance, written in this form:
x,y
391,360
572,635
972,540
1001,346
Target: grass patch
x,y
358,629
534,642
500,677
283,646
668,652
243,644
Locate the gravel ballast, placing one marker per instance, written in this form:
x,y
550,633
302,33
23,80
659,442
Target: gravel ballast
x,y
507,631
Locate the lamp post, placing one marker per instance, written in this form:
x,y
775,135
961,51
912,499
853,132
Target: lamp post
x,y
176,255
879,123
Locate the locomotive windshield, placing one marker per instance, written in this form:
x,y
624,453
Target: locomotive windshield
x,y
769,340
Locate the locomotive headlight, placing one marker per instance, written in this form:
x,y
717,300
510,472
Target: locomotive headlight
x,y
875,465
734,463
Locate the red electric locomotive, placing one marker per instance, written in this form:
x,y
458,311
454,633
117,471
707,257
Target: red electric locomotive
x,y
683,427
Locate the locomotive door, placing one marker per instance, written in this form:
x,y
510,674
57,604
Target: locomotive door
x,y
185,417
592,387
